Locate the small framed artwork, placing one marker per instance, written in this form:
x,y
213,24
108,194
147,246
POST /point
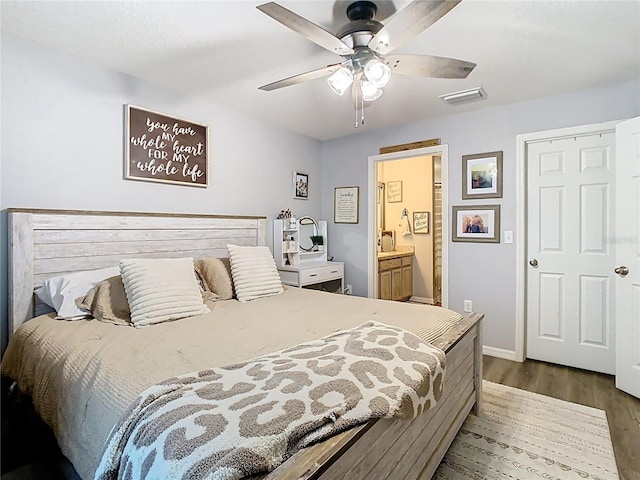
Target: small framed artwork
x,y
420,222
479,223
482,175
346,205
394,191
300,186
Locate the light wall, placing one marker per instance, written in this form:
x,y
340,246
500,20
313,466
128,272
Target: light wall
x,y
62,147
416,175
491,282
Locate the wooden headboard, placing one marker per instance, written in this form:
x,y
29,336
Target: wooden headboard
x,y
46,243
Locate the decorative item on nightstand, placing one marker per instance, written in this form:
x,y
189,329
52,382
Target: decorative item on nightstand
x,y
318,242
289,219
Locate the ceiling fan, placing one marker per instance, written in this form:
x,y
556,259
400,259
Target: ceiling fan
x,y
366,45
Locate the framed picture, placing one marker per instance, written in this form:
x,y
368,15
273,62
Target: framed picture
x,y
479,223
482,175
421,222
394,191
346,205
165,149
300,186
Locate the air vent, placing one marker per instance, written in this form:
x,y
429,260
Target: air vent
x,y
464,96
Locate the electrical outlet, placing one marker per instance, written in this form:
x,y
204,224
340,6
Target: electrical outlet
x,y
468,306
347,290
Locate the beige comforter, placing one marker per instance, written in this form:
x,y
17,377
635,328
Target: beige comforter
x,y
83,375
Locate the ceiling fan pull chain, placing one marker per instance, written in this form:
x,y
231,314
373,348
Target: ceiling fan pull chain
x,y
357,103
362,108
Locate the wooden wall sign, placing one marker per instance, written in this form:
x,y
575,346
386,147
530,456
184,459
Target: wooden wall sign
x,y
160,148
346,205
411,146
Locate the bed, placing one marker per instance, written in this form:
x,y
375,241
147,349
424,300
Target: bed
x,y
44,243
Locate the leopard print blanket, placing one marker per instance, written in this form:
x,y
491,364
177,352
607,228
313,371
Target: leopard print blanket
x,y
230,422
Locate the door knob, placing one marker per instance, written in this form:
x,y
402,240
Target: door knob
x,y
533,262
622,270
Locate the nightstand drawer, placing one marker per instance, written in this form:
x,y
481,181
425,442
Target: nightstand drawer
x,y
321,274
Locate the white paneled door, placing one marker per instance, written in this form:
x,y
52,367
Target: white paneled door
x,y
627,280
571,252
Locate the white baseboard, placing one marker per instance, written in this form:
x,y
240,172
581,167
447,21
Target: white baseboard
x,y
499,353
426,300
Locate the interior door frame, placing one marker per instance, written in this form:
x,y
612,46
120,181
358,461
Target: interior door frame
x,y
521,214
372,268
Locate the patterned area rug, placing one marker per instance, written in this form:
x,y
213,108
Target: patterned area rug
x,y
524,435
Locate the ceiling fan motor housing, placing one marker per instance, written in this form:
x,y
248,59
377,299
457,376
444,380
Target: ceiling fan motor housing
x,y
362,27
359,32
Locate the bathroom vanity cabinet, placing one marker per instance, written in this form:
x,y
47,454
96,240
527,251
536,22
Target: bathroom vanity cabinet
x,y
395,275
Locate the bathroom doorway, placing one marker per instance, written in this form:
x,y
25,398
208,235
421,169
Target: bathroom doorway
x,y
401,184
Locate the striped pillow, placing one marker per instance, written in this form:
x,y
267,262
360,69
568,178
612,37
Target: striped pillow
x,y
254,272
159,290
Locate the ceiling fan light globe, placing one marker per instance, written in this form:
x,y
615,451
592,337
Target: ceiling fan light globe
x,y
340,80
377,72
369,91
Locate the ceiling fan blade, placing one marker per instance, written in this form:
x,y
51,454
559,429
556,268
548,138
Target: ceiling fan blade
x,y
306,28
409,22
429,66
303,77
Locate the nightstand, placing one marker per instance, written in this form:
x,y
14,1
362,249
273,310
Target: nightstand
x,y
327,276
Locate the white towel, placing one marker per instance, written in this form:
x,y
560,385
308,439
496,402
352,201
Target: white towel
x,y
405,226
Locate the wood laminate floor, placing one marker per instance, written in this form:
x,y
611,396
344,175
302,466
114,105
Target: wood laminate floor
x,y
579,386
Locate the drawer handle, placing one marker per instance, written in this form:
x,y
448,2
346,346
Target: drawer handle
x,y
334,271
313,275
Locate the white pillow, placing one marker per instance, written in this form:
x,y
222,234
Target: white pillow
x,y
161,289
254,272
60,292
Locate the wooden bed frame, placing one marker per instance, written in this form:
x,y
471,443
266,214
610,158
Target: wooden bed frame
x,y
45,243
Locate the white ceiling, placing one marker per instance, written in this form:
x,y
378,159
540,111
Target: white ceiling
x,y
222,51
